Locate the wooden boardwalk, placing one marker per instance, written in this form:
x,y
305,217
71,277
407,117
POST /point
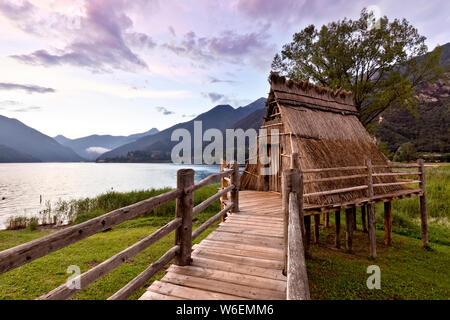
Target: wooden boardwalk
x,y
241,259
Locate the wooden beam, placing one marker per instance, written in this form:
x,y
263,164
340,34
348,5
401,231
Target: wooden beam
x,y
349,229
211,221
343,190
234,194
387,224
354,224
205,204
423,204
363,218
184,208
337,239
316,228
371,212
327,219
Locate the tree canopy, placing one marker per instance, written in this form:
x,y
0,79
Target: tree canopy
x,y
382,62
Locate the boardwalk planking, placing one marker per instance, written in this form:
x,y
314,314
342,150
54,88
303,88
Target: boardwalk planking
x,y
241,259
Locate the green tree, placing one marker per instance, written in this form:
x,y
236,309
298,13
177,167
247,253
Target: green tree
x,y
382,65
406,152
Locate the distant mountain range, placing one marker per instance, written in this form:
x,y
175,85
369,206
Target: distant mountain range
x,y
158,147
20,143
91,147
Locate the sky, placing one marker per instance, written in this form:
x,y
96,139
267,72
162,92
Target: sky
x,y
82,67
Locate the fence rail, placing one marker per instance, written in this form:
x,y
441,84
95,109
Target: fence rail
x,y
181,225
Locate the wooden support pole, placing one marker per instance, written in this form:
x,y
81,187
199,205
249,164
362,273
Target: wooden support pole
x,y
354,219
184,207
295,161
387,224
363,218
327,220
371,212
349,229
307,233
223,184
423,204
316,228
235,192
292,181
337,239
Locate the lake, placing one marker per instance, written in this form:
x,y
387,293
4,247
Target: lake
x,y
22,185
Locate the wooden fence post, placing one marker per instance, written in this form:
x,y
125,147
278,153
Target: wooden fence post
x,y
223,185
387,223
423,204
363,218
349,229
235,192
371,212
337,239
184,206
316,228
291,181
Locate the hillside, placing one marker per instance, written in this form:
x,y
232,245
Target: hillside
x,y
91,147
158,147
27,141
10,155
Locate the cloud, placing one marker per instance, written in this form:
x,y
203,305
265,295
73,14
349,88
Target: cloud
x,y
164,111
228,46
27,109
97,150
172,31
9,103
189,115
214,96
28,88
216,80
16,106
101,39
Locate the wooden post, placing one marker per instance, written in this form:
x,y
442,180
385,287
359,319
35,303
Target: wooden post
x,y
363,218
354,224
349,229
327,220
295,161
307,233
423,204
371,212
235,192
184,206
387,224
223,184
316,228
337,239
291,181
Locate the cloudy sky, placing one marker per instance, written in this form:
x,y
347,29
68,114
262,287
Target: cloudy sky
x,y
79,67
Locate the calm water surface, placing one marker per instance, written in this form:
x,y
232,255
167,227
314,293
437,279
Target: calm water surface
x,y
23,184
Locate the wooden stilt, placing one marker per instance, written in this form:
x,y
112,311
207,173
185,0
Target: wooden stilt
x,y
354,219
423,204
308,233
387,224
337,239
363,218
316,228
371,213
223,185
327,220
349,229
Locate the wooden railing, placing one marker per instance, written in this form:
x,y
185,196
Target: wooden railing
x,y
182,225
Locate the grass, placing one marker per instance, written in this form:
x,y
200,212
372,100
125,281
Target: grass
x,y
407,270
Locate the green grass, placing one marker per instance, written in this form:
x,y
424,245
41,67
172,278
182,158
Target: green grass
x,y
407,270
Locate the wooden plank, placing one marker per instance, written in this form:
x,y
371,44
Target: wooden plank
x,y
241,246
246,239
250,231
222,287
189,293
150,295
252,225
231,277
65,292
240,252
256,262
259,271
27,252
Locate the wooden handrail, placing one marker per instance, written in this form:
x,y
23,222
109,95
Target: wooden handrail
x,y
205,204
343,190
297,280
210,221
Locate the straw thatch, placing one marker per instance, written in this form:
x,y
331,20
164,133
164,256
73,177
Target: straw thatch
x,y
322,126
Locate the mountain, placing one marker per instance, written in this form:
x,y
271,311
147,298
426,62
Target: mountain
x,y
22,141
158,147
253,121
10,155
93,146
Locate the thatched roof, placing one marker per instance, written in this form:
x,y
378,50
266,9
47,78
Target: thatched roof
x,y
322,126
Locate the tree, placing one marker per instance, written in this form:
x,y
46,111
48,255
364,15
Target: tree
x,y
406,152
382,65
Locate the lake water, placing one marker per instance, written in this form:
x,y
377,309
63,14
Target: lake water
x,y
23,184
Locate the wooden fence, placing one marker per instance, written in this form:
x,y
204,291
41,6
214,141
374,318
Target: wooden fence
x,y
181,225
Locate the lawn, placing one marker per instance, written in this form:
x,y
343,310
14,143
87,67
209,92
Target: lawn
x,y
407,270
